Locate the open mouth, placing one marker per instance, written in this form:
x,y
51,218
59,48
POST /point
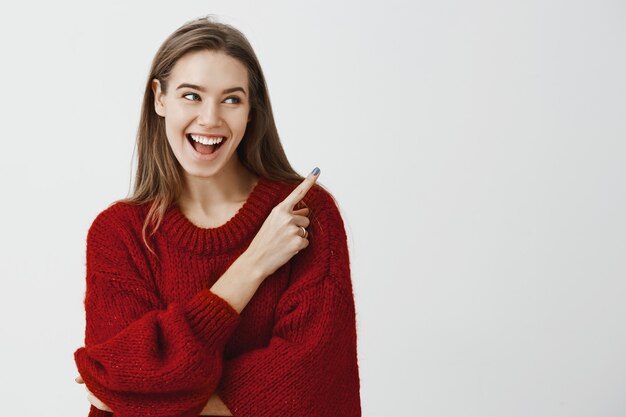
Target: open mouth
x,y
205,145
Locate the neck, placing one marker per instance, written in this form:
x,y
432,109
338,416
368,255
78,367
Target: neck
x,y
231,185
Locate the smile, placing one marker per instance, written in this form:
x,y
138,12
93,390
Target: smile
x,y
205,145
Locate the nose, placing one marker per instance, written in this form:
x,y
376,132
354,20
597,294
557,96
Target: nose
x,y
209,115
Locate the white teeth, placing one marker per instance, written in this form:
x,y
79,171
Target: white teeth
x,y
207,141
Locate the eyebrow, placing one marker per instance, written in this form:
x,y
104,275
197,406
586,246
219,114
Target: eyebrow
x,y
197,87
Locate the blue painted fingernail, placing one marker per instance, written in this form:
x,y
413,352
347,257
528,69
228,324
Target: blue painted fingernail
x,y
315,171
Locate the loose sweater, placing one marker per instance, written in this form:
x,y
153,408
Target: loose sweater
x,y
159,342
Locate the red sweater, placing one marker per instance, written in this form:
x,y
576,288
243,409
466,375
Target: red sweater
x,y
158,342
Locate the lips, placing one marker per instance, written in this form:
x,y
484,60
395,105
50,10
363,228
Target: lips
x,y
205,144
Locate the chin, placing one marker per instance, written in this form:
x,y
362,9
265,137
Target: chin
x,y
203,173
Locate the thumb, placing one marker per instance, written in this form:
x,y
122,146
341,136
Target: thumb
x,y
79,379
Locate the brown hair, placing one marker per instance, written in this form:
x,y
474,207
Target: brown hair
x,y
159,174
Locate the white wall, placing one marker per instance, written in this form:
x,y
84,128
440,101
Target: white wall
x,y
477,150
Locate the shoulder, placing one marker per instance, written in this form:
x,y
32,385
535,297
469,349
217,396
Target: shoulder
x,y
327,256
119,213
114,240
119,220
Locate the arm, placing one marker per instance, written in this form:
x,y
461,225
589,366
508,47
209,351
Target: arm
x,y
310,365
142,358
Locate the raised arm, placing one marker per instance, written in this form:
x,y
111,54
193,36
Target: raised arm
x,y
309,368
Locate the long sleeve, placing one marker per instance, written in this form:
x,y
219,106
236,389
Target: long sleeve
x,y
142,358
309,367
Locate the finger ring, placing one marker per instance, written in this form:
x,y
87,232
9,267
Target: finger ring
x,y
304,232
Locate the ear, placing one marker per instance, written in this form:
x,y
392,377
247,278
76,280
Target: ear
x,y
159,107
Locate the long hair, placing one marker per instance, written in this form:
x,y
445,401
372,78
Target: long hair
x,y
159,176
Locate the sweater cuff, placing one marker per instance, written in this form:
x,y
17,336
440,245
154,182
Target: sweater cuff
x,y
212,318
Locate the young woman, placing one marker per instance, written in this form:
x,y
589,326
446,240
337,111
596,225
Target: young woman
x,y
222,285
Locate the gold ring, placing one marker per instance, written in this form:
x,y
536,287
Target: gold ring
x,y
304,234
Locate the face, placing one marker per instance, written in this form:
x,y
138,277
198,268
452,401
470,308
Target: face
x,y
207,99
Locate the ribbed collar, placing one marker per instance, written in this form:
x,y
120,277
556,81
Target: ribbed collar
x,y
181,231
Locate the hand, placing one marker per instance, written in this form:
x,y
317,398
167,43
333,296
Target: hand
x,y
92,398
215,407
280,236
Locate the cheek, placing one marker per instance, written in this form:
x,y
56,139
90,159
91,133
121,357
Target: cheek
x,y
170,130
238,119
179,115
175,135
175,121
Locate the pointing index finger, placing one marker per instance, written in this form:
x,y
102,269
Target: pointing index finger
x,y
300,191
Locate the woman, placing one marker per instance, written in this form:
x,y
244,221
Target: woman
x,y
222,285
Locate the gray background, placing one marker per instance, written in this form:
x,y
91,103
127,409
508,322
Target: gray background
x,y
477,150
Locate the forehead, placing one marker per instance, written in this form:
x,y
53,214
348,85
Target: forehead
x,y
212,70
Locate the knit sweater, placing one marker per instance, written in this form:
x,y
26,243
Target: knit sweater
x,y
158,342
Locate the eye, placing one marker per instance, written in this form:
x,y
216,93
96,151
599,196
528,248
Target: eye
x,y
194,95
237,99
